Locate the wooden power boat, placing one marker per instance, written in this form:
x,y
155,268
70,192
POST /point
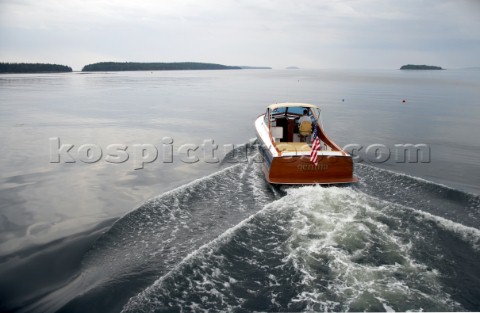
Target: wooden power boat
x,y
296,150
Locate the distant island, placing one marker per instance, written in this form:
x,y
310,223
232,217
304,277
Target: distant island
x,y
292,68
138,66
33,68
420,67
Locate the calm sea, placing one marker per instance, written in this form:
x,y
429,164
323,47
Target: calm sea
x,y
175,149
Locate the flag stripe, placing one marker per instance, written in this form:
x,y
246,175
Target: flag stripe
x,y
315,147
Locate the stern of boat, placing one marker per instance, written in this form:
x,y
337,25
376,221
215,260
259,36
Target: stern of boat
x,y
330,169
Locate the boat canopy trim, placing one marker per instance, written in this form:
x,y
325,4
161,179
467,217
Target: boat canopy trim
x,y
287,104
292,108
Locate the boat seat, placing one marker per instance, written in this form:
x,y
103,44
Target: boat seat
x,y
305,129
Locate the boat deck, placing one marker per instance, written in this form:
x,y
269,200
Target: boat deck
x,y
293,146
298,147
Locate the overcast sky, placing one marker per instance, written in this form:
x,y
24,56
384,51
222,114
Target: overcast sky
x,y
305,33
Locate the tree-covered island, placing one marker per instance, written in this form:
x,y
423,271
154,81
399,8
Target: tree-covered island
x,y
33,68
157,66
420,67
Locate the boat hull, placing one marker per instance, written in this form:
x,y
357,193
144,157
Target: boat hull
x,y
300,170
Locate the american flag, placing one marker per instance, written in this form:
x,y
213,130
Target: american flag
x,y
315,146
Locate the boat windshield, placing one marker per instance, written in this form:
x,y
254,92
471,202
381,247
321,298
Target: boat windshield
x,y
296,110
289,110
316,113
279,110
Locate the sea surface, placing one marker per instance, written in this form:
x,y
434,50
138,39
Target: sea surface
x,y
143,192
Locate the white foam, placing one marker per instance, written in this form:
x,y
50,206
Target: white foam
x,y
419,179
194,182
468,234
347,256
332,228
205,250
